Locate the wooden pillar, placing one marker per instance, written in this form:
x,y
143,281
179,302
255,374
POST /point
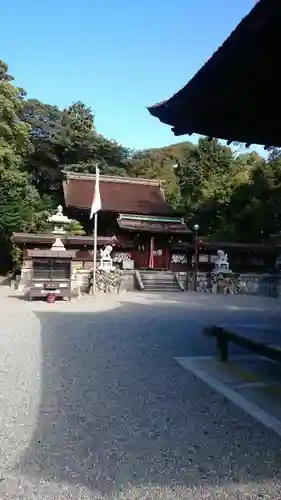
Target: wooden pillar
x,y
166,251
151,264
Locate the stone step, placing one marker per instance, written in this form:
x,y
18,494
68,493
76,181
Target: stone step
x,y
157,274
161,286
159,281
162,289
144,280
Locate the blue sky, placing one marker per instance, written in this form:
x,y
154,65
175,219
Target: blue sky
x,y
117,56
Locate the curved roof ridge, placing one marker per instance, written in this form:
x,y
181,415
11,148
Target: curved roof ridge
x,y
113,178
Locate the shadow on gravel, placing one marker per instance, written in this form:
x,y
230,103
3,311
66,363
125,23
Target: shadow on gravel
x,y
117,412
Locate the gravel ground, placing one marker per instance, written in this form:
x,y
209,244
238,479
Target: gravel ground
x,y
93,406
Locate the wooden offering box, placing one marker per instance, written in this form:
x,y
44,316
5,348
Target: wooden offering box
x,y
51,272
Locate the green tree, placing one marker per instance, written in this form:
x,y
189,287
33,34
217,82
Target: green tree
x,y
44,162
14,133
152,165
21,207
76,229
204,178
67,140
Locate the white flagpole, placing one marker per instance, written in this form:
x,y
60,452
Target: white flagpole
x,y
96,206
95,253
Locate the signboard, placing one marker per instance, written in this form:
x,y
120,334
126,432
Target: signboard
x,y
203,258
128,264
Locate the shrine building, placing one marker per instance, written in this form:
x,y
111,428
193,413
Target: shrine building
x,y
135,219
234,96
145,233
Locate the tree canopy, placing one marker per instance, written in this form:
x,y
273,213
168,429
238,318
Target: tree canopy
x,y
231,196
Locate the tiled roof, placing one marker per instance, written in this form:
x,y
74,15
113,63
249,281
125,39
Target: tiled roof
x,y
221,100
118,194
48,239
153,224
44,238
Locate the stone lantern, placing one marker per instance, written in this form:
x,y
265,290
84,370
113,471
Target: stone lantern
x,y
60,223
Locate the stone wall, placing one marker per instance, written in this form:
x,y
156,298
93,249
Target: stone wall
x,y
128,278
83,278
266,285
24,281
182,276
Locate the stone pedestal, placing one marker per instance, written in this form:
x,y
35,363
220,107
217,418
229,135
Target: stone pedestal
x,y
222,264
106,265
106,260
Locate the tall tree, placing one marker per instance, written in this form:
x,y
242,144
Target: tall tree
x,y
46,132
67,140
20,204
152,165
14,138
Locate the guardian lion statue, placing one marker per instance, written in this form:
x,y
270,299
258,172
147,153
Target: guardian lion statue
x,y
105,254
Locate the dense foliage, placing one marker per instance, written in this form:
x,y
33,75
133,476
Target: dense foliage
x,y
231,196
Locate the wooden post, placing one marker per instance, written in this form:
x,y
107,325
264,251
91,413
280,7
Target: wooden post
x,y
222,344
196,227
167,256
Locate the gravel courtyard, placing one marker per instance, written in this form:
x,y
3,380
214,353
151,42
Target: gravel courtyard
x,y
94,406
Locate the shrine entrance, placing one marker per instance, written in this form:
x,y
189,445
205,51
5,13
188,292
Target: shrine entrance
x,y
160,258
153,254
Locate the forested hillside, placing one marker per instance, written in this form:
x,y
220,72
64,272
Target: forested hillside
x,y
231,196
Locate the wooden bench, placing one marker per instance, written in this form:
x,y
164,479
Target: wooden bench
x,y
224,337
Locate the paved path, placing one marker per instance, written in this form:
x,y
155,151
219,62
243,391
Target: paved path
x,y
93,405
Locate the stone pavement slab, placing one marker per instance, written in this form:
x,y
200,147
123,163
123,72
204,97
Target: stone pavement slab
x,y
257,380
94,406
